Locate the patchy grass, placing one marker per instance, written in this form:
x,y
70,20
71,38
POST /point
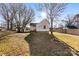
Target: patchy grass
x,y
4,33
14,45
71,40
41,44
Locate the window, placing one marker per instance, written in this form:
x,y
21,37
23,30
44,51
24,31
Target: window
x,y
44,27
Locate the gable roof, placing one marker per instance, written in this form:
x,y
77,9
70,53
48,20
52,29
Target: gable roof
x,y
44,20
33,24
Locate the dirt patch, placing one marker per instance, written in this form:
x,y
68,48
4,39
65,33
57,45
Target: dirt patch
x,y
41,44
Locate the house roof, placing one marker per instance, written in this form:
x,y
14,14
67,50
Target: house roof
x,y
45,20
33,24
77,15
2,27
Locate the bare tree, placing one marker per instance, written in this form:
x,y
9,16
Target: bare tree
x,y
12,14
7,12
61,26
16,14
53,11
23,16
69,21
4,11
28,17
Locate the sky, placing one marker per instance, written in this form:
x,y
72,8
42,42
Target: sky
x,y
71,8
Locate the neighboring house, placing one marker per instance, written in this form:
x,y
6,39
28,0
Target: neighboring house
x,y
27,28
42,26
76,21
2,29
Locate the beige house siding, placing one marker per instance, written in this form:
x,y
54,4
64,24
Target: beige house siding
x,y
32,28
41,25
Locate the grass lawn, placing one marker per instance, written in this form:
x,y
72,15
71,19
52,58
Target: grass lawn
x,y
14,45
4,33
71,40
38,43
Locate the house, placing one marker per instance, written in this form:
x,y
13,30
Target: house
x,y
76,21
42,26
2,29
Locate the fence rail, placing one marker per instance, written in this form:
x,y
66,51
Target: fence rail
x,y
68,31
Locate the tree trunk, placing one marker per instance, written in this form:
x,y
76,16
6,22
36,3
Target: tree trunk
x,y
7,24
11,25
22,29
18,30
51,30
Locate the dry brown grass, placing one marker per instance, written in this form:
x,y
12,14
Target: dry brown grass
x,y
4,33
37,44
71,40
14,45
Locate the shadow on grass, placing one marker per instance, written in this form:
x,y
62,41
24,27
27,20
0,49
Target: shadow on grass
x,y
41,44
73,49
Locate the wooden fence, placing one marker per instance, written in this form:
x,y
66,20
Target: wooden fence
x,y
68,31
